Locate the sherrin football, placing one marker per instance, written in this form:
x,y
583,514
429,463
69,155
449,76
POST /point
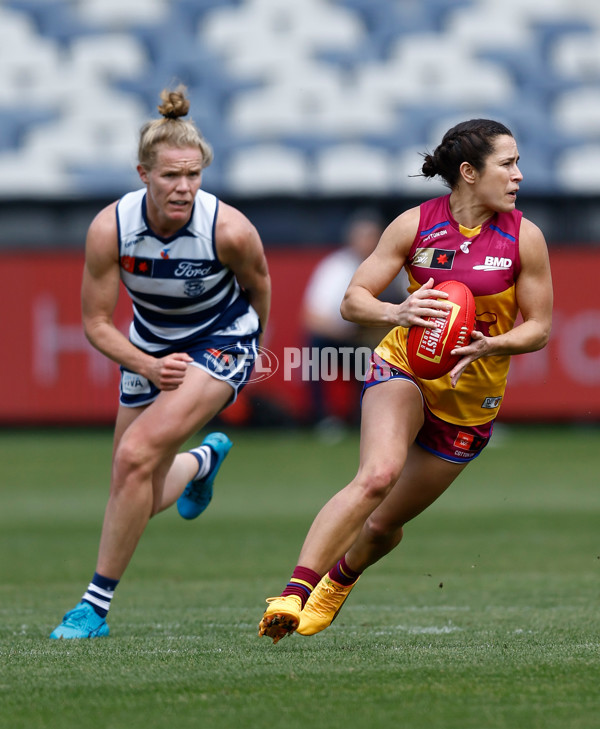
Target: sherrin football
x,y
429,348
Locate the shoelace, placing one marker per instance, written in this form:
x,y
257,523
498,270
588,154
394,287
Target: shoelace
x,y
326,604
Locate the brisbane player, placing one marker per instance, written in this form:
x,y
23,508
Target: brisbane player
x,y
418,435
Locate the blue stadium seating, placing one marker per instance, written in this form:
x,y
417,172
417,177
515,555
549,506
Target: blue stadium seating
x,y
54,19
13,126
532,94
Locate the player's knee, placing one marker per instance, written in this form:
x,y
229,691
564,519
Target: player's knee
x,y
131,463
377,481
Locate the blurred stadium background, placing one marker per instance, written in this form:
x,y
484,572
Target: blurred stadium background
x,y
313,108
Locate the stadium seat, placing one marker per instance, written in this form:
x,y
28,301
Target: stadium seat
x,y
524,13
267,169
578,169
352,169
280,59
28,63
424,69
529,71
577,112
14,126
116,15
352,114
577,57
316,24
486,26
18,181
30,73
71,143
264,113
322,106
193,11
277,40
16,26
101,127
109,56
55,19
105,180
177,56
549,32
280,107
386,21
350,60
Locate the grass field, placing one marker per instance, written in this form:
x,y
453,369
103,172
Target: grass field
x,y
486,616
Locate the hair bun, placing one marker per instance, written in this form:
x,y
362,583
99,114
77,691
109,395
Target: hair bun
x,y
429,168
175,103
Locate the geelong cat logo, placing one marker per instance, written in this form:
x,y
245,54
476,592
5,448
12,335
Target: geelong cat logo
x,y
194,288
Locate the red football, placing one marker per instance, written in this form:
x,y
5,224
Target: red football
x,y
429,348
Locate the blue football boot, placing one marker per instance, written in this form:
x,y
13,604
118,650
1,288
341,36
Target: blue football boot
x,y
198,493
81,622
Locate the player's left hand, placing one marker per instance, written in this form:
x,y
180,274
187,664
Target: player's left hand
x,y
478,347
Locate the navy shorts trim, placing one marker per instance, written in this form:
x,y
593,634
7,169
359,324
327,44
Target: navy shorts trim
x,y
230,362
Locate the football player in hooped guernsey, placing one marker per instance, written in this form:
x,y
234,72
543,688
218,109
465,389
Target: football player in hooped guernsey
x,y
418,435
196,273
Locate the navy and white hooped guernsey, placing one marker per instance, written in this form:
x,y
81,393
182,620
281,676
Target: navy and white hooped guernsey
x,y
181,293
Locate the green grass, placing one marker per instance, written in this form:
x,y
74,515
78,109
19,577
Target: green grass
x,y
486,617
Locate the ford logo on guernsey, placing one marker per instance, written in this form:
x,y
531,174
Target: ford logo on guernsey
x,y
188,269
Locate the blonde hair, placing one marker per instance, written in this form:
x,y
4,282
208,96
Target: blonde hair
x,y
172,130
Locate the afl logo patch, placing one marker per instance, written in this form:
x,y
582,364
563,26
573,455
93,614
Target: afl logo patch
x,y
433,258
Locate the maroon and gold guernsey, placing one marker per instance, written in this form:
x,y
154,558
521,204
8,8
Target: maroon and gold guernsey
x,y
486,259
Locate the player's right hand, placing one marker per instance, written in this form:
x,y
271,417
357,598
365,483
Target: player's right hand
x,y
167,373
425,301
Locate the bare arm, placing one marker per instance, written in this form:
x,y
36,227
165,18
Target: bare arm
x,y
534,297
99,295
240,248
374,275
